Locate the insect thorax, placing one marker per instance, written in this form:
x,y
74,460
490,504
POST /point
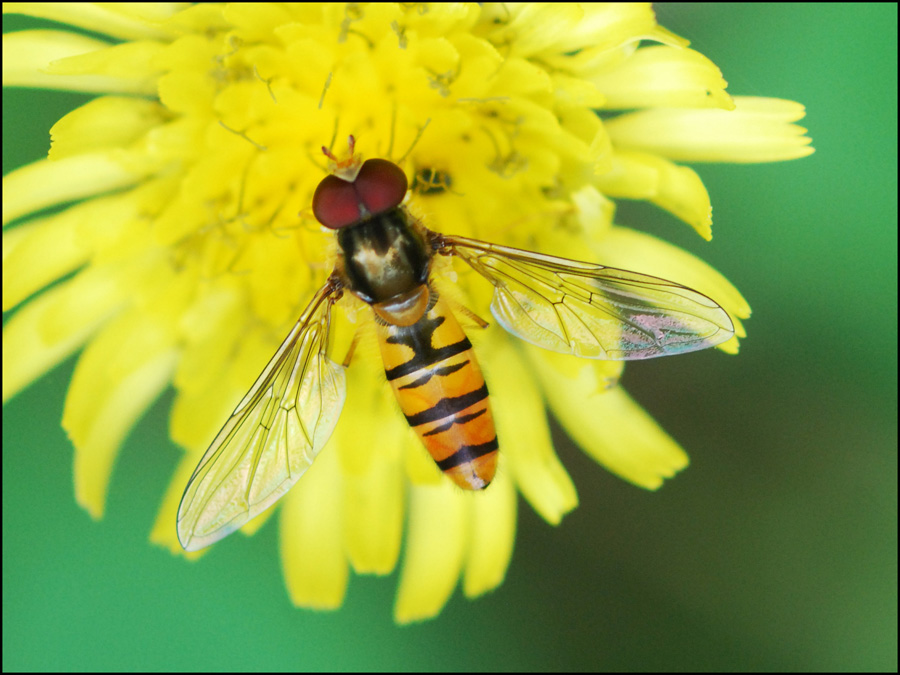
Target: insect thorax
x,y
385,256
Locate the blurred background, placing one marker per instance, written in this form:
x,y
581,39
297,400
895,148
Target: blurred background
x,y
775,550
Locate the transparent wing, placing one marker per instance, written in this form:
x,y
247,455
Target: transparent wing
x,y
273,435
590,310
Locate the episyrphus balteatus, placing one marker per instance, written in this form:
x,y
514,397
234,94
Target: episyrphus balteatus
x,y
385,259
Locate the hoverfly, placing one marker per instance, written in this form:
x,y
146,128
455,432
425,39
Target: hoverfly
x,y
385,259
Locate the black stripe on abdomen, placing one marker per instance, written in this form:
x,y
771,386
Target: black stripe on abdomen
x,y
467,453
456,420
448,406
442,372
422,359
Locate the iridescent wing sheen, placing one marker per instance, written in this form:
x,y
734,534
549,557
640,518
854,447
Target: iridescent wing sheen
x,y
590,310
273,435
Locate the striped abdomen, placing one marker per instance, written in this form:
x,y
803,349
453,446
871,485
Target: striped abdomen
x,y
432,367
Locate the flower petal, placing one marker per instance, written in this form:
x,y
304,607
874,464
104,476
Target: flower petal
x,y
436,540
51,59
608,425
53,325
118,376
664,76
37,253
525,443
677,189
47,183
373,528
312,548
27,53
492,534
123,20
758,130
105,122
369,440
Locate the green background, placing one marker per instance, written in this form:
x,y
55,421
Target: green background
x,y
775,550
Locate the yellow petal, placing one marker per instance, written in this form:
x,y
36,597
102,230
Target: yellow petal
x,y
312,548
47,183
435,548
58,60
525,444
758,130
26,55
41,251
373,527
54,324
664,76
537,27
118,376
492,529
677,189
37,253
369,440
105,122
610,427
123,20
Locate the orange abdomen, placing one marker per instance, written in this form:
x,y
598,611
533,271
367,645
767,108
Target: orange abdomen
x,y
432,367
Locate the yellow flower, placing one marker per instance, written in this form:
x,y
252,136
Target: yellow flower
x,y
192,248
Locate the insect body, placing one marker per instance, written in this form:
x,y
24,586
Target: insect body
x,y
385,259
428,359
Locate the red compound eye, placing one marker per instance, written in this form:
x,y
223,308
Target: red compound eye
x,y
380,185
